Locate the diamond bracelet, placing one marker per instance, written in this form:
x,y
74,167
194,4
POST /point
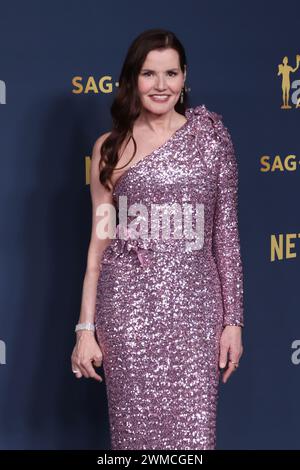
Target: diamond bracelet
x,y
85,326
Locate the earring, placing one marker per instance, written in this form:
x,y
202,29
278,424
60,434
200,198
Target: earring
x,y
181,95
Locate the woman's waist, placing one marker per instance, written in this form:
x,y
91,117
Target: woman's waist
x,y
126,243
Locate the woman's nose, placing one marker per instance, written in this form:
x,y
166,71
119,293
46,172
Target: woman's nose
x,y
160,82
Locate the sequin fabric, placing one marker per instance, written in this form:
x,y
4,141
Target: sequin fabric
x,y
160,307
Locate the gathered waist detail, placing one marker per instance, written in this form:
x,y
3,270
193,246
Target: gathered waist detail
x,y
144,249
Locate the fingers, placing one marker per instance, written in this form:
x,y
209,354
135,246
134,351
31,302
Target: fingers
x,y
231,350
97,360
231,368
75,366
76,371
223,355
82,362
233,364
90,372
85,369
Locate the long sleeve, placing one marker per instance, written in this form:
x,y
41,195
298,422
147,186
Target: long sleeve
x,y
225,240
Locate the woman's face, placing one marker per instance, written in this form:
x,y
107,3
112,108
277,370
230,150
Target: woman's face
x,y
160,81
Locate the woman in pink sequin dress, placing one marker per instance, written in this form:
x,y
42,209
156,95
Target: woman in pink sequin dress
x,y
169,313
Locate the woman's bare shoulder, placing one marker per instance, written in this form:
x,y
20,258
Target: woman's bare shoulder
x,y
100,141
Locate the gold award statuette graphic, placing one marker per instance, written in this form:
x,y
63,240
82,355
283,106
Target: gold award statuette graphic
x,y
284,70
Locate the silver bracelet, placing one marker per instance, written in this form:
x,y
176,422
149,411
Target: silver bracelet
x,y
85,326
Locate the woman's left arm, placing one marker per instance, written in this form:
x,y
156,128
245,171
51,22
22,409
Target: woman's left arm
x,y
226,250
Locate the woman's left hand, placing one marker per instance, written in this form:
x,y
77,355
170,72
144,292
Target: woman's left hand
x,y
231,349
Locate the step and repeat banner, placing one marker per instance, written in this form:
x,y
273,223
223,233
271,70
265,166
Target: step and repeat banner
x,y
59,70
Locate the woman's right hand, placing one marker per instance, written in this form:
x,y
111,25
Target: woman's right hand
x,y
86,354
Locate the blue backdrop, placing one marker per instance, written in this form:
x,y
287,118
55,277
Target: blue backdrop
x,y
47,129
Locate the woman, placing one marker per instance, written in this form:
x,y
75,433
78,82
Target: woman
x,y
168,312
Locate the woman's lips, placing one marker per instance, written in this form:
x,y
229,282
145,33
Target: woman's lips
x,y
160,98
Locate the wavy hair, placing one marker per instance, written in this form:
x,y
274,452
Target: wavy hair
x,y
126,106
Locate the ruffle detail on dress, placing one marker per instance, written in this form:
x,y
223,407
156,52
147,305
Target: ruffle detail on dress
x,y
199,116
201,110
125,243
199,113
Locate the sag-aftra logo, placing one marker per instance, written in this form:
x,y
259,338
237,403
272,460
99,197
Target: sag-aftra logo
x,y
92,85
290,89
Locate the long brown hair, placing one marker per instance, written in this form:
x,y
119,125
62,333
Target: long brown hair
x,y
126,105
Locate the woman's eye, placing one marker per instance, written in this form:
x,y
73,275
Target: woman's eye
x,y
147,74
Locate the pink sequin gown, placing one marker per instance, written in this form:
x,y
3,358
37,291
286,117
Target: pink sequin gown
x,y
160,308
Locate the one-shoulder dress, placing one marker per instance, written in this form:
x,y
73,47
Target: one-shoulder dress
x,y
163,299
